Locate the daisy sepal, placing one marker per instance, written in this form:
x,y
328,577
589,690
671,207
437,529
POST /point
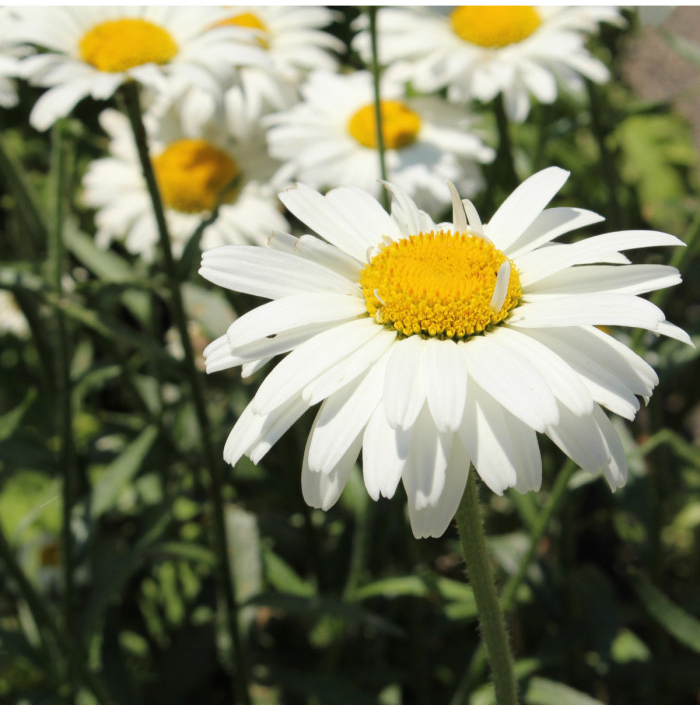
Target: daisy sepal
x,y
268,273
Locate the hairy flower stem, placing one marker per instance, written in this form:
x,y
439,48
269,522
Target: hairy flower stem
x,y
44,618
481,579
66,460
212,463
372,14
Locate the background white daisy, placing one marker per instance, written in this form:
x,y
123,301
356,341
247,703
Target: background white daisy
x,y
194,174
431,346
329,139
480,52
90,51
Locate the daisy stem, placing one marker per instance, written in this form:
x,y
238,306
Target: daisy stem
x,y
212,464
372,14
44,618
491,620
504,165
63,412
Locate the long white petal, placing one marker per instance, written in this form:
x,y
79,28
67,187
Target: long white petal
x,y
404,389
445,379
382,466
523,205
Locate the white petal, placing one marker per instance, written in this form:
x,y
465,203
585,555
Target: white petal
x,y
322,490
404,211
445,381
589,309
616,470
404,390
433,521
521,208
459,217
276,424
563,381
342,417
269,273
501,289
346,370
511,380
314,249
382,466
670,330
550,224
309,361
276,317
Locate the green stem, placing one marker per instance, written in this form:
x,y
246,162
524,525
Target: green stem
x,y
45,618
63,412
507,177
481,579
372,13
224,567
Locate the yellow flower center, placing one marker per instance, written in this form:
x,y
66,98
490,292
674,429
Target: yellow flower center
x,y
400,125
118,45
250,20
438,284
494,25
193,175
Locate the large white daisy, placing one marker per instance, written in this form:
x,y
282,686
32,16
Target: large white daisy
x,y
90,51
433,346
193,174
330,139
478,52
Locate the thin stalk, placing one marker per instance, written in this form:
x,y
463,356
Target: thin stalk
x,y
212,463
491,620
504,158
376,72
510,591
63,408
44,617
606,159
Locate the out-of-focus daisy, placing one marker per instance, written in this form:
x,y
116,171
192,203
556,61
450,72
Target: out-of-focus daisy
x,y
90,51
12,318
478,52
193,174
433,346
9,60
330,139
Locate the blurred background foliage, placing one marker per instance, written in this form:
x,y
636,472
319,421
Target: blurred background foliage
x,y
344,606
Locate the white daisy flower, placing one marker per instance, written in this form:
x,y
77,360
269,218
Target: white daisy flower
x,y
193,174
91,51
435,345
330,139
10,55
479,52
12,318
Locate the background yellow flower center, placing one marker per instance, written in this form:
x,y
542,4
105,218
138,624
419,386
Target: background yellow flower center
x,y
118,45
400,125
494,25
192,175
247,19
437,284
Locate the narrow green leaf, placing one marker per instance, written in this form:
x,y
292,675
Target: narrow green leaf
x,y
121,471
541,690
677,622
282,577
10,421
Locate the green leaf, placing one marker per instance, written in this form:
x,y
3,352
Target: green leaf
x,y
677,622
121,471
541,690
282,577
187,551
10,421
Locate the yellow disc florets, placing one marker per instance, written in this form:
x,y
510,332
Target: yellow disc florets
x,y
118,45
439,285
251,21
494,25
400,125
192,175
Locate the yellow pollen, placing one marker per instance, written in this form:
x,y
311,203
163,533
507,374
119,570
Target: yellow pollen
x,y
118,45
494,25
193,174
400,125
249,20
437,284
